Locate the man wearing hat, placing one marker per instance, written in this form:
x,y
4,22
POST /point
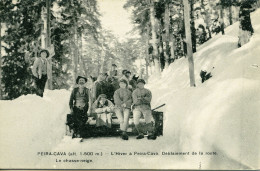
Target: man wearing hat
x,y
141,106
41,71
78,103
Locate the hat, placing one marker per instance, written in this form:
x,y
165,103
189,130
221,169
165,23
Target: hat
x,y
124,81
79,77
46,51
124,71
102,96
140,81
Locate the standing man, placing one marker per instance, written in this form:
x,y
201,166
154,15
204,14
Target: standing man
x,y
141,106
78,103
41,71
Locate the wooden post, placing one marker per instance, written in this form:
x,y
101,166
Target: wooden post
x,y
189,42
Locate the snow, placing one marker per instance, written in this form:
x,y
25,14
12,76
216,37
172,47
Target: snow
x,y
221,115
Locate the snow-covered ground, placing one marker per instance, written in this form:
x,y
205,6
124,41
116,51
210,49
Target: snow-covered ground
x,y
220,116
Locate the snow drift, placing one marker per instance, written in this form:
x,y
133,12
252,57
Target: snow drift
x,y
219,116
222,114
30,124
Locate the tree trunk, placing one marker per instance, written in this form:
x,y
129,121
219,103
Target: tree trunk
x,y
172,44
230,15
75,53
156,57
147,52
83,65
189,42
206,20
222,20
193,30
161,54
102,68
48,41
167,29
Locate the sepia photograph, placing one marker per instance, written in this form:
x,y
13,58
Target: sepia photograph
x,y
130,84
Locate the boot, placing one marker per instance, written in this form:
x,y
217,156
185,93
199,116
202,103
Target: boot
x,y
151,136
124,136
140,136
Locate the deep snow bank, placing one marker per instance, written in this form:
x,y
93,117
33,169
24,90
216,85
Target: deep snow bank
x,y
221,114
30,124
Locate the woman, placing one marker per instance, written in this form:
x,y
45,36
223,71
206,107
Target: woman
x,y
123,102
103,108
41,71
79,106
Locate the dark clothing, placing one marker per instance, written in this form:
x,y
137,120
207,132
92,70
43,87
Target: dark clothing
x,y
79,115
40,84
73,97
244,15
100,88
245,27
110,91
79,118
115,84
133,84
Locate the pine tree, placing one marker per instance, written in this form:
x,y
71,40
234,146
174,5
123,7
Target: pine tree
x,y
20,20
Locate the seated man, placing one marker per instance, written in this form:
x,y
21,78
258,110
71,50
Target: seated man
x,y
141,106
103,107
79,106
123,101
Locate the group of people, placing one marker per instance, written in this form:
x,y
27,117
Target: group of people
x,y
112,94
109,83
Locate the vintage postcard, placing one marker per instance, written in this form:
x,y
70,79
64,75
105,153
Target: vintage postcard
x,y
130,84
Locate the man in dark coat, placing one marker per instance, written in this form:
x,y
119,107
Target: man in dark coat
x,y
78,103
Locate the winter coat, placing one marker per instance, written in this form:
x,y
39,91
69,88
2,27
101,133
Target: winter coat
x,y
38,65
73,97
99,88
146,97
121,96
